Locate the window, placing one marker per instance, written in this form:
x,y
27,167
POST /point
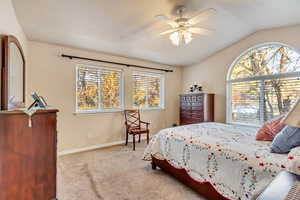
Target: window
x,y
148,90
98,89
263,83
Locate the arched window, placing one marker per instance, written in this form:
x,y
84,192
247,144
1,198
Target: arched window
x,y
264,82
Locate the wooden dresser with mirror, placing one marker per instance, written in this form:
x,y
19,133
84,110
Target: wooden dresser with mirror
x,y
196,108
27,144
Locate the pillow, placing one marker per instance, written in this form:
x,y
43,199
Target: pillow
x,y
287,139
270,129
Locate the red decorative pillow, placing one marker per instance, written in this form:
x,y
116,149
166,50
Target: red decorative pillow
x,y
270,129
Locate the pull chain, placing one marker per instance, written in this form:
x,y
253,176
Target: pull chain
x,y
29,121
29,113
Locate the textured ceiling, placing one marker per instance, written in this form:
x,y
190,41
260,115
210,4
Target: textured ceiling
x,y
128,27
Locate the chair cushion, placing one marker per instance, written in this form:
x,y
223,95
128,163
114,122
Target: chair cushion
x,y
287,139
270,129
138,131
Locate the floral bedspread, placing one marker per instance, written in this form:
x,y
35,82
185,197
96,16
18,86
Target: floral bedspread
x,y
227,156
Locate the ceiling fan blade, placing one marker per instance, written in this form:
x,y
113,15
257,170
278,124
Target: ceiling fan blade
x,y
162,17
167,20
200,31
202,16
168,31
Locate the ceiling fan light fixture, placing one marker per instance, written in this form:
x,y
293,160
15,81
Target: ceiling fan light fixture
x,y
181,37
183,28
175,38
187,36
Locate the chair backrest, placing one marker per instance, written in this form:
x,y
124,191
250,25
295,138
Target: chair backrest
x,y
132,118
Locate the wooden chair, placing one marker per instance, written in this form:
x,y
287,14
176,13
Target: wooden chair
x,y
134,126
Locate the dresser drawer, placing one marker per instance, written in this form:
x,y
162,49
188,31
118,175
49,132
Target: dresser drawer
x,y
197,104
198,110
185,114
197,115
190,116
195,120
186,107
184,121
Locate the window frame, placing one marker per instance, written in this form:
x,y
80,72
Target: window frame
x,y
254,78
161,92
100,110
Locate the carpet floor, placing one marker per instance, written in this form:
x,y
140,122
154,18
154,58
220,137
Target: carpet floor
x,y
116,173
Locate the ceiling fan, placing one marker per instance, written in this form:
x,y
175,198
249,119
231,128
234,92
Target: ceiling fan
x,y
183,28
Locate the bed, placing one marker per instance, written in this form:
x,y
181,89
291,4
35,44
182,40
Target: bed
x,y
220,161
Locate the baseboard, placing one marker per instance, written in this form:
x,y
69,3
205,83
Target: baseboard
x,y
90,148
100,146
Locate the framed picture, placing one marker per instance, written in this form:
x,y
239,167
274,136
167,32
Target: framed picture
x,y
39,101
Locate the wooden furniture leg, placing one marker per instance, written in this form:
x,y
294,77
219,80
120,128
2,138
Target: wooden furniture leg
x,y
147,138
153,165
139,138
133,142
126,143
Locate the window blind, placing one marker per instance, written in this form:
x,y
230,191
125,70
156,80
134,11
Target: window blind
x,y
147,90
280,95
245,102
263,83
98,89
256,102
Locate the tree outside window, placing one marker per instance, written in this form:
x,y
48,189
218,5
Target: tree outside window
x,y
98,89
147,90
264,83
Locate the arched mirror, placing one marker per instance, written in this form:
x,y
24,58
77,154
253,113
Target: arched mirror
x,y
13,75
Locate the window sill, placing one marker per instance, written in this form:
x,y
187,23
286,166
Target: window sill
x,y
113,111
245,124
144,109
98,111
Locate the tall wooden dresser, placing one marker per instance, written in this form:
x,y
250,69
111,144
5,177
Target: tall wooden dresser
x,y
28,155
196,108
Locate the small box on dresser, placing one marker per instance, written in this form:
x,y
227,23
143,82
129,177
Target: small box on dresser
x,y
196,108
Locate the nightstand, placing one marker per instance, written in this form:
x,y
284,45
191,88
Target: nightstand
x,y
279,187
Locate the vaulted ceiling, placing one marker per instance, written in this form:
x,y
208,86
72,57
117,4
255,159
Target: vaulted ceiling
x,y
128,27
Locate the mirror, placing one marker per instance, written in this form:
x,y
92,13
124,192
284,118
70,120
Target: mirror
x,y
13,75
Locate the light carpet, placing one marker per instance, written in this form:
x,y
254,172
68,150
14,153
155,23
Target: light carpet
x,y
116,173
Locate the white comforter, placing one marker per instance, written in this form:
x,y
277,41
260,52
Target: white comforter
x,y
227,156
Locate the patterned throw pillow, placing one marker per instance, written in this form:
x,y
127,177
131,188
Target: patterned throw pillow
x,y
287,139
270,129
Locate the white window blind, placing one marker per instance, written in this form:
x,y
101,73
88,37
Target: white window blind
x,y
245,102
148,90
264,83
98,89
255,102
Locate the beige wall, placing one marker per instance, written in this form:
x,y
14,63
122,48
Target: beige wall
x,y
212,71
9,24
54,78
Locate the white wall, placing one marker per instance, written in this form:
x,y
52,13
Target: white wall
x,y
54,78
212,71
9,24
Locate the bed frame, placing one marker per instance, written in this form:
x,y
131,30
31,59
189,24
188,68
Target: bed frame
x,y
205,189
